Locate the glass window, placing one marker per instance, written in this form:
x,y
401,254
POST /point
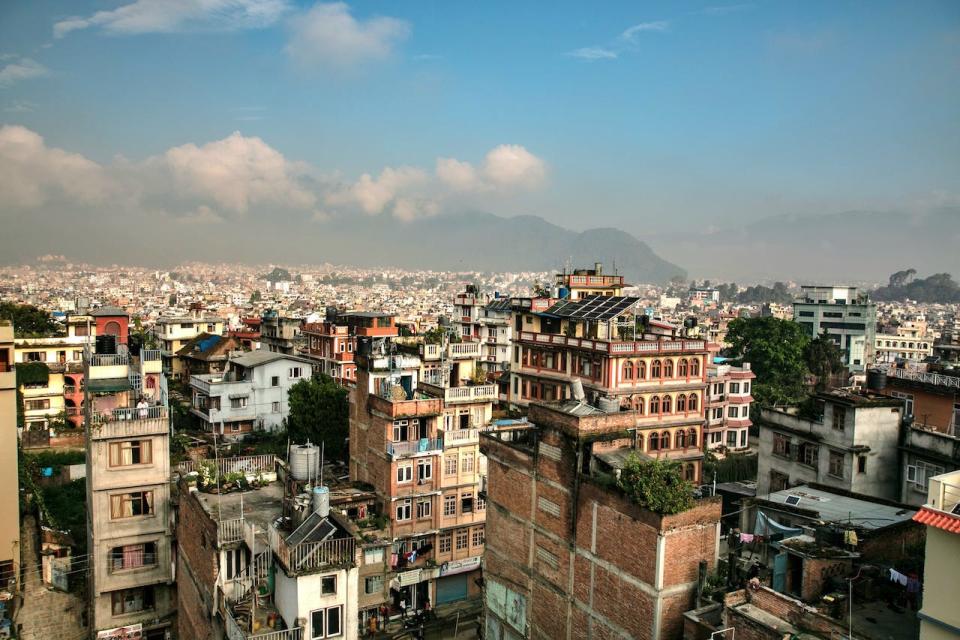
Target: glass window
x,y
424,508
463,538
477,537
836,464
450,464
373,556
132,600
130,505
403,510
328,585
125,454
404,473
450,505
373,584
446,539
133,556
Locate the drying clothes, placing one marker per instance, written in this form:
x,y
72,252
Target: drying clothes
x,y
913,585
393,560
746,538
850,538
899,578
766,525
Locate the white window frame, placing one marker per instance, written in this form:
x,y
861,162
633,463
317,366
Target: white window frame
x,y
403,510
404,473
324,632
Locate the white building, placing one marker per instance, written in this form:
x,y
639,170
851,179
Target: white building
x,y
847,317
250,394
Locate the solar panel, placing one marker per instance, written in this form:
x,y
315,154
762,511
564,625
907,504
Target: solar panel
x,y
596,308
956,509
793,500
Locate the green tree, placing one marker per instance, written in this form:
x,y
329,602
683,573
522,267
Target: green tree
x,y
776,350
28,320
319,412
824,358
256,296
657,485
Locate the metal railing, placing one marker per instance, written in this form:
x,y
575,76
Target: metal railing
x,y
236,632
109,359
617,346
130,413
149,355
230,531
938,379
263,463
309,556
424,445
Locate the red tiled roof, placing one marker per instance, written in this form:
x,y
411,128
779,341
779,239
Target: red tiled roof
x,y
938,519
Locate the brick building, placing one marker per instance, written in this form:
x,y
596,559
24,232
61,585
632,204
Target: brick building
x,y
331,344
569,557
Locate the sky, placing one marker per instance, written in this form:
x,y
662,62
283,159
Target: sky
x,y
654,117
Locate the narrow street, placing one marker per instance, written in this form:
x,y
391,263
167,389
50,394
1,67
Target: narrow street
x,y
45,613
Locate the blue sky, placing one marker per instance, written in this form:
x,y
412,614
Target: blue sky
x,y
650,116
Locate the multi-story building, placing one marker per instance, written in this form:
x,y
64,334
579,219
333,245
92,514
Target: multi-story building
x,y
892,347
9,479
849,441
251,393
584,283
727,411
207,354
279,334
128,493
602,344
496,334
173,333
939,615
570,557
332,343
846,315
417,444
931,395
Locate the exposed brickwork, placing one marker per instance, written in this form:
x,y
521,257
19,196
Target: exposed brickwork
x,y
197,568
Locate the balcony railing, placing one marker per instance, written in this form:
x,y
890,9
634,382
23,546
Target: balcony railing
x,y
459,437
464,350
149,355
264,463
129,422
310,556
236,632
617,347
229,531
414,447
952,382
479,393
109,359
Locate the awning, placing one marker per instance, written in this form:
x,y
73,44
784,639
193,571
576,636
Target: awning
x,y
108,385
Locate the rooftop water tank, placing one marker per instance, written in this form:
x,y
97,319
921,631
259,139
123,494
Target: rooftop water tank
x,y
303,461
876,380
608,405
321,501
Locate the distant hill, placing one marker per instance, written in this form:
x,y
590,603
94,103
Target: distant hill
x,y
486,242
840,247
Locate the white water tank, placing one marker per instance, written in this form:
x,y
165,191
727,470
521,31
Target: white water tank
x,y
321,501
303,461
608,405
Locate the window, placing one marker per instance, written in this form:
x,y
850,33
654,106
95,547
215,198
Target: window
x,y
450,464
781,445
778,481
681,403
424,508
655,404
131,505
734,387
404,473
919,473
133,556
839,417
467,465
668,369
809,454
275,381
732,411
466,502
666,405
692,437
403,510
695,367
238,403
125,454
477,537
132,600
746,387
35,356
665,440
682,368
908,401
628,370
861,464
446,540
235,558
718,413
641,370
373,556
836,464
328,585
681,439
732,439
463,538
654,442
424,469
481,504
373,584
692,402
295,372
548,558
326,623
450,505
655,369
743,438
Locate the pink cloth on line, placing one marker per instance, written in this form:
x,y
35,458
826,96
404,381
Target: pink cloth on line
x,y
746,537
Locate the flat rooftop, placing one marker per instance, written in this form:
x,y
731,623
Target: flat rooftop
x,y
260,506
835,507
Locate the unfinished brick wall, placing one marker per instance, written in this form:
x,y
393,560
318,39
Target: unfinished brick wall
x,y
197,560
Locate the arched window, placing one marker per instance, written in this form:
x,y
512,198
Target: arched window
x,y
666,406
641,370
689,472
654,442
655,369
681,403
693,437
665,440
112,328
668,369
638,404
628,370
682,368
655,404
681,439
695,367
692,402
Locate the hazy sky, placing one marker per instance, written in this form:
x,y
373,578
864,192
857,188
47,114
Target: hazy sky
x,y
651,116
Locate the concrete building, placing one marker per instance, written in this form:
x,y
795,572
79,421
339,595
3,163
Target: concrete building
x,y
940,616
846,315
848,442
332,343
931,395
172,333
128,494
893,347
250,394
569,557
9,478
727,412
584,283
279,334
417,444
601,343
496,334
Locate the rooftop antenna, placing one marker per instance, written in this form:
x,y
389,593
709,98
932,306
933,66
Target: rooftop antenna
x,y
323,447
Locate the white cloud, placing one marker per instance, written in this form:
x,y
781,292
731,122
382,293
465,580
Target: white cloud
x,y
172,16
32,174
21,69
373,195
460,176
328,36
593,53
234,174
513,165
631,32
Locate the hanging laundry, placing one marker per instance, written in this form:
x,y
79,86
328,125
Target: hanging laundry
x,y
899,578
746,538
394,558
913,585
850,538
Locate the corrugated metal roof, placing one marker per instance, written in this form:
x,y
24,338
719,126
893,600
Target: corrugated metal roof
x,y
834,507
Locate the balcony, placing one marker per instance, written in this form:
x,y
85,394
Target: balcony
x,y
406,408
311,556
122,423
237,632
479,393
460,437
109,360
618,347
414,447
463,350
230,531
938,379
